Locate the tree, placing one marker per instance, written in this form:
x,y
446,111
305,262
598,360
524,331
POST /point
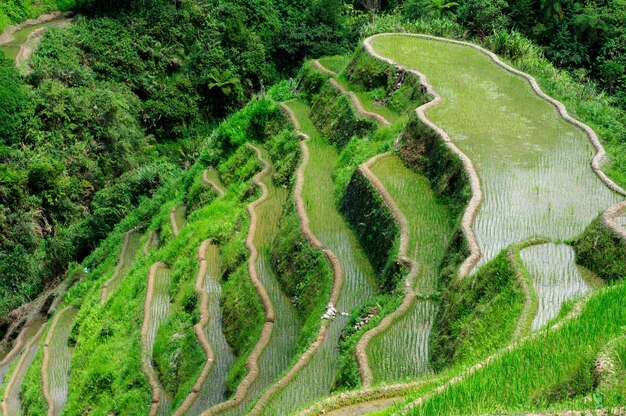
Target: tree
x,y
373,6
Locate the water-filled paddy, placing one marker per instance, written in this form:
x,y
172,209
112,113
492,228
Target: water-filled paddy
x,y
534,166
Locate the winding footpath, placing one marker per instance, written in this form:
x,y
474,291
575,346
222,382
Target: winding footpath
x,y
11,403
211,178
199,330
361,347
270,314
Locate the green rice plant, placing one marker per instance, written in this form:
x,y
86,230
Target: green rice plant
x,y
534,166
555,277
335,63
316,379
548,372
431,227
214,388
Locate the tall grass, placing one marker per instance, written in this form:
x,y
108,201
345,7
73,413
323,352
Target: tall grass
x,y
545,371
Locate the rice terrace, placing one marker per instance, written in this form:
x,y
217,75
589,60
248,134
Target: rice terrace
x,y
390,207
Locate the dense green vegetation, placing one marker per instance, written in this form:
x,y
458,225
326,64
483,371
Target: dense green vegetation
x,y
127,107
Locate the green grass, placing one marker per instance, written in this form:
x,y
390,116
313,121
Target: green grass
x,y
533,165
553,368
401,352
335,63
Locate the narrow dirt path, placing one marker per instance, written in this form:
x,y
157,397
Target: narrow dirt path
x,y
156,308
332,258
211,178
57,361
127,255
361,347
318,65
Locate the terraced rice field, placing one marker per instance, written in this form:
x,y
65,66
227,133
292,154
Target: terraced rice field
x,y
555,277
214,388
279,352
26,334
11,402
58,354
316,379
131,246
159,309
431,226
534,166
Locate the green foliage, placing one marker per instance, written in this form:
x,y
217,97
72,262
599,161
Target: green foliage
x,y
374,225
601,251
333,115
14,103
478,315
423,150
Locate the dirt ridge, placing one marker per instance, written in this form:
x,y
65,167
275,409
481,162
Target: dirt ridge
x,y
153,380
306,357
318,65
270,314
609,216
213,184
173,223
356,103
